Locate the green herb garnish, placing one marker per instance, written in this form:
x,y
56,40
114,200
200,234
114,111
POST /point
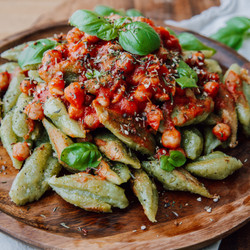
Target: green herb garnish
x,y
139,38
135,37
189,41
188,77
106,11
93,74
234,33
93,24
175,159
33,54
81,156
133,13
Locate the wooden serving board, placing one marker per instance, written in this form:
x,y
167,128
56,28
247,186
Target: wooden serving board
x,y
182,220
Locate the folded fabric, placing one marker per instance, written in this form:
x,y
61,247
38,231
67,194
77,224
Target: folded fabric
x,y
214,18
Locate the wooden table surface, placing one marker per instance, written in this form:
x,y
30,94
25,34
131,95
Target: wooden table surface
x,y
18,15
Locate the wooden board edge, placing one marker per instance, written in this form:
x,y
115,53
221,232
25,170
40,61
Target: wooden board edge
x,y
237,215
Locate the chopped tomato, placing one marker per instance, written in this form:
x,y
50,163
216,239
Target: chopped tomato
x,y
28,86
75,113
4,81
212,88
34,111
125,62
143,93
92,121
21,151
56,86
160,152
75,94
74,35
154,115
222,131
90,39
233,82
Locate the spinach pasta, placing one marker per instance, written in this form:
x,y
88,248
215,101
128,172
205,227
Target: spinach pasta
x,y
119,103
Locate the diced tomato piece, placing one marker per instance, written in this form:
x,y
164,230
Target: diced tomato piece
x,y
212,88
92,121
90,39
160,152
74,35
125,62
75,94
34,111
233,82
28,86
4,81
21,151
75,113
222,131
142,93
154,115
56,86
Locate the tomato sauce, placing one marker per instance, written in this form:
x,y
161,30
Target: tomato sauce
x,y
84,68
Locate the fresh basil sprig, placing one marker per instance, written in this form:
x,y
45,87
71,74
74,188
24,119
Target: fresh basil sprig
x,y
171,32
139,38
33,54
234,33
133,13
120,22
106,11
93,24
190,42
175,159
136,37
188,77
81,156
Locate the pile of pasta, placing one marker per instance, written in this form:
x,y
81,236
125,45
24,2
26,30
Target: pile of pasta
x,y
124,158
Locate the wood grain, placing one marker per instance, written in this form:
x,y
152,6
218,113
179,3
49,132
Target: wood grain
x,y
17,15
39,223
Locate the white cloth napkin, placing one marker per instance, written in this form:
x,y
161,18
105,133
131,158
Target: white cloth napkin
x,y
207,23
214,18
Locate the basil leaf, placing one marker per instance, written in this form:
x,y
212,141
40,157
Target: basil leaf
x,y
165,164
107,32
81,156
119,23
186,82
91,23
33,54
234,33
190,42
233,39
177,158
171,32
106,11
184,70
239,23
139,38
133,13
